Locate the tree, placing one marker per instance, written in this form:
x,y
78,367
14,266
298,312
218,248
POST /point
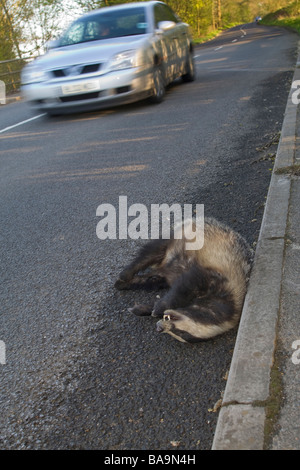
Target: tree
x,y
26,25
39,21
9,33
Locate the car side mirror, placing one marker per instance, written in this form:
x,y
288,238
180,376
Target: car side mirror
x,y
52,44
166,25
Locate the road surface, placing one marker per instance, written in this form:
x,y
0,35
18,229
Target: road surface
x,y
80,371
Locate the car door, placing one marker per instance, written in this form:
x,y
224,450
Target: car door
x,y
172,41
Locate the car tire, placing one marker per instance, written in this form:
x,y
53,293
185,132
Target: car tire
x,y
190,74
159,87
53,114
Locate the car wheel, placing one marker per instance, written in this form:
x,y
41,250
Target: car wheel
x,y
53,114
190,74
159,88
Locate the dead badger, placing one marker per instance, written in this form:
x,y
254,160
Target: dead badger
x,y
207,285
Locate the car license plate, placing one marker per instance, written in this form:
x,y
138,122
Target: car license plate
x,y
82,87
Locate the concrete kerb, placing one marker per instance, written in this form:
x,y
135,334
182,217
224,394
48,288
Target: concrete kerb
x,y
242,417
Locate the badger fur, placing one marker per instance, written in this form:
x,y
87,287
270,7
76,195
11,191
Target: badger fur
x,y
207,285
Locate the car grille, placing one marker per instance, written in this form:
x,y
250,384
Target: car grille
x,y
83,96
76,70
93,95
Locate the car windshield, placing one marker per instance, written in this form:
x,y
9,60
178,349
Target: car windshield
x,y
105,25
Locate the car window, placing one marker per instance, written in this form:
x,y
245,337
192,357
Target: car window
x,y
106,25
74,34
164,13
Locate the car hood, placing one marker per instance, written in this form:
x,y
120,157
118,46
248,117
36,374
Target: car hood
x,y
94,51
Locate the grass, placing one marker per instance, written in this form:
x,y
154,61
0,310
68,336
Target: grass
x,y
212,34
287,17
274,402
293,170
290,23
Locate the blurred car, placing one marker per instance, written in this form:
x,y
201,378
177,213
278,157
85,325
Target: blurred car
x,y
111,56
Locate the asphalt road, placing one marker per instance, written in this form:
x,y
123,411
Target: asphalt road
x,y
81,372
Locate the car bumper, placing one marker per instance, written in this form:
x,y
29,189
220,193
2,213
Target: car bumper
x,y
94,92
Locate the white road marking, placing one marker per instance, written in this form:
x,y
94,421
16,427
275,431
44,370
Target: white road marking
x,y
217,48
21,123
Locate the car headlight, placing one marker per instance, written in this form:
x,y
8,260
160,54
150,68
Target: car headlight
x,y
123,60
33,75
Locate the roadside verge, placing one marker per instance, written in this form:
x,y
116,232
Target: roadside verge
x,y
242,418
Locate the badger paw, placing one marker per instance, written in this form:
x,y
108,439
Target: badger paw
x,y
141,310
159,308
120,284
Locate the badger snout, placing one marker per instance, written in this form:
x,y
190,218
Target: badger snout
x,y
159,326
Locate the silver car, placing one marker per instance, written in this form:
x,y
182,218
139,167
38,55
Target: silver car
x,y
111,56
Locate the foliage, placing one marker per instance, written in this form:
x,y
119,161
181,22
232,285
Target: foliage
x,y
6,49
288,17
206,17
26,25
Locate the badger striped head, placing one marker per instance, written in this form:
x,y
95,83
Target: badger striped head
x,y
189,328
